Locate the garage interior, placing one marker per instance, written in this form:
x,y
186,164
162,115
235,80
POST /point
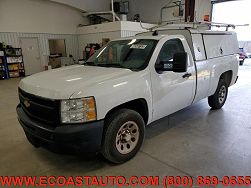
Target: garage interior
x,y
195,141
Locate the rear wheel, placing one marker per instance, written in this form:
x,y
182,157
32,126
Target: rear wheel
x,y
218,99
123,136
241,62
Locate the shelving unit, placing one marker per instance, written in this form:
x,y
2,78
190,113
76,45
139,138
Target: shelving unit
x,y
3,67
14,61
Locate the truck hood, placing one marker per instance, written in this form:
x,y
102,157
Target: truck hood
x,y
62,83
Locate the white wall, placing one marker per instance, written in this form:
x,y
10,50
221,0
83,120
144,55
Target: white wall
x,y
71,42
41,19
38,16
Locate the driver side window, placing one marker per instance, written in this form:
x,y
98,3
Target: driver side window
x,y
170,48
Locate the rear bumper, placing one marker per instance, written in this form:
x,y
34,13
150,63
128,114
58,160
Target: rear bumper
x,y
72,138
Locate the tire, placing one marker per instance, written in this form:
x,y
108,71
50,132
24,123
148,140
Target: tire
x,y
218,99
120,140
241,62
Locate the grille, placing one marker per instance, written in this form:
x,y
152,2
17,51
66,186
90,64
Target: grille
x,y
39,108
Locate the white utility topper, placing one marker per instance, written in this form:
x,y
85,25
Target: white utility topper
x,y
105,104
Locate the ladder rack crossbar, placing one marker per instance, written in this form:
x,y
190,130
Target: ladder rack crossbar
x,y
195,25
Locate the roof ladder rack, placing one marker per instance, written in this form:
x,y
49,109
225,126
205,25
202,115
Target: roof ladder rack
x,y
193,25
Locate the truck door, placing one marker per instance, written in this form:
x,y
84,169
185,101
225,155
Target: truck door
x,y
172,91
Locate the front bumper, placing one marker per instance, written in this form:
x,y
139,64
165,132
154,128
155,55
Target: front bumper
x,y
72,138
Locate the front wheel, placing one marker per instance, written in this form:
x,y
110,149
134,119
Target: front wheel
x,y
218,99
123,136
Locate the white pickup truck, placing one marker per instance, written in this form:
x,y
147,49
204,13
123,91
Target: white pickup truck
x,y
105,104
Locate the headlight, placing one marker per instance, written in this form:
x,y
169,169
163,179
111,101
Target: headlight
x,y
78,110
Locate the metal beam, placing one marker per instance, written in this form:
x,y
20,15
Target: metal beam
x,y
189,10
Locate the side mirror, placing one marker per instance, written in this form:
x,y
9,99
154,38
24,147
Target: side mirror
x,y
179,63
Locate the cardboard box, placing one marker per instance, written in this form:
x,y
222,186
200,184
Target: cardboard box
x,y
54,62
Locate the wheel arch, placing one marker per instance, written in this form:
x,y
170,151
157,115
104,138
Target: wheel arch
x,y
139,105
227,76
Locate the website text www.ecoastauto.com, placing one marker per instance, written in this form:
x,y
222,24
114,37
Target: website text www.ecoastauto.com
x,y
121,181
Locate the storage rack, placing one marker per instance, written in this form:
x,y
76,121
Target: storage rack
x,y
15,63
3,67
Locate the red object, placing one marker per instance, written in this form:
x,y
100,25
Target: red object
x,y
206,18
92,51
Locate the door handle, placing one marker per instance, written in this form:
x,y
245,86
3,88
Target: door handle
x,y
187,75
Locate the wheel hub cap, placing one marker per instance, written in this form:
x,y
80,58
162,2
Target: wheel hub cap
x,y
127,137
222,94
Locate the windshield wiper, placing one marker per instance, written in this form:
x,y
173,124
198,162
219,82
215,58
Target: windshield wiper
x,y
115,65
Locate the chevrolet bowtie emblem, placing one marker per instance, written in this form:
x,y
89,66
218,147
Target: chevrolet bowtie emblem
x,y
27,104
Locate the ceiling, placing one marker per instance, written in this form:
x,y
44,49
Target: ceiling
x,y
102,5
86,5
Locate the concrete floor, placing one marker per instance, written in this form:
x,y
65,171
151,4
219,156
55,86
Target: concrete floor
x,y
194,141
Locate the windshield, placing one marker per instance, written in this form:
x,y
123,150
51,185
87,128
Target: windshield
x,y
130,54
